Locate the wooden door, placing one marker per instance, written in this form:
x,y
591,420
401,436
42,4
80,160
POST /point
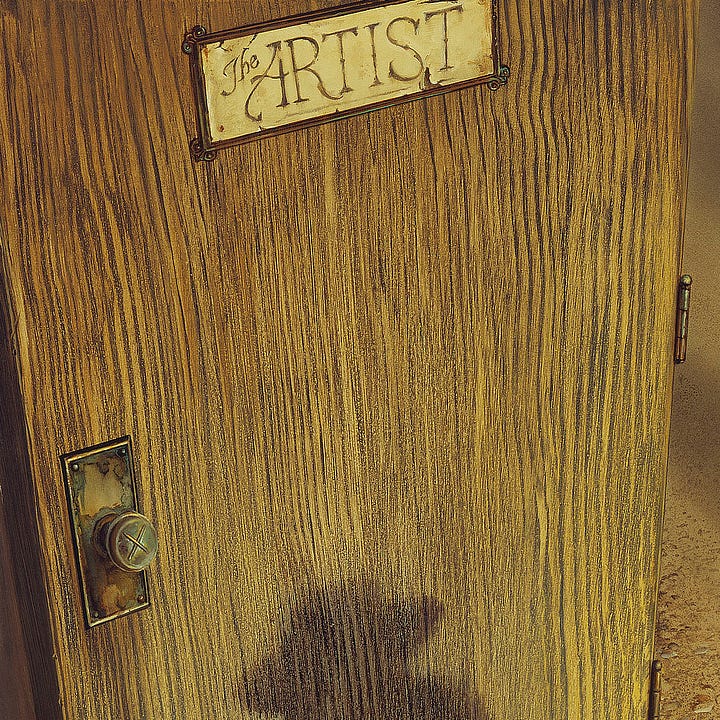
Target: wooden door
x,y
398,386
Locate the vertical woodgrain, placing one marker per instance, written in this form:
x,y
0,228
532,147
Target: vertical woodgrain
x,y
29,688
398,386
18,547
16,692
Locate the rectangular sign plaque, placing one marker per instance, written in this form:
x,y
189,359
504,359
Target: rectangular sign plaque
x,y
274,77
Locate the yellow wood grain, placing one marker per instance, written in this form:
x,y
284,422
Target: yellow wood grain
x,y
398,386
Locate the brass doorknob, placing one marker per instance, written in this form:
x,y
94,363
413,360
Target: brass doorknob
x,y
129,540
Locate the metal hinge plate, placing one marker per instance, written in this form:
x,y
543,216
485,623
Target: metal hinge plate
x,y
681,318
655,691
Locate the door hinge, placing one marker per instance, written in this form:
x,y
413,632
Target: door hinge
x,y
655,691
681,318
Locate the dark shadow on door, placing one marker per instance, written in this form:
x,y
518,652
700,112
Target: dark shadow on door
x,y
352,653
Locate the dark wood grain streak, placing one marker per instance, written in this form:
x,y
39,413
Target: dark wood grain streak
x,y
16,692
30,688
398,386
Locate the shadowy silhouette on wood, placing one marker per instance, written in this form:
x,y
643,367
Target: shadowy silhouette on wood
x,y
350,653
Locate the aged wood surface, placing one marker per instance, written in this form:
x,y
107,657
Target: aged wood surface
x,y
398,386
16,699
29,687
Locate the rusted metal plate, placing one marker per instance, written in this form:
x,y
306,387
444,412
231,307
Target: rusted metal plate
x,y
100,483
264,79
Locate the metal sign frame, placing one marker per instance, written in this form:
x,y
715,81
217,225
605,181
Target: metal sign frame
x,y
204,148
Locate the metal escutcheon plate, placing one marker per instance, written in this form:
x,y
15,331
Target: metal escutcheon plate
x,y
100,482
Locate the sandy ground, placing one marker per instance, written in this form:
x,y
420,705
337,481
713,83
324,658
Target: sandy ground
x,y
688,629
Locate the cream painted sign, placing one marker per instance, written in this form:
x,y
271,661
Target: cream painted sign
x,y
301,71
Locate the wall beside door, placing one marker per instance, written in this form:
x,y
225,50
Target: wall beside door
x,y
688,631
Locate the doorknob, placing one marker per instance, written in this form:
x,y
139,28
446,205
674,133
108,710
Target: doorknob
x,y
114,542
128,539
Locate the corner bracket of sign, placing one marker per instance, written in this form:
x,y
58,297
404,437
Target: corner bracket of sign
x,y
192,38
309,79
497,81
200,153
